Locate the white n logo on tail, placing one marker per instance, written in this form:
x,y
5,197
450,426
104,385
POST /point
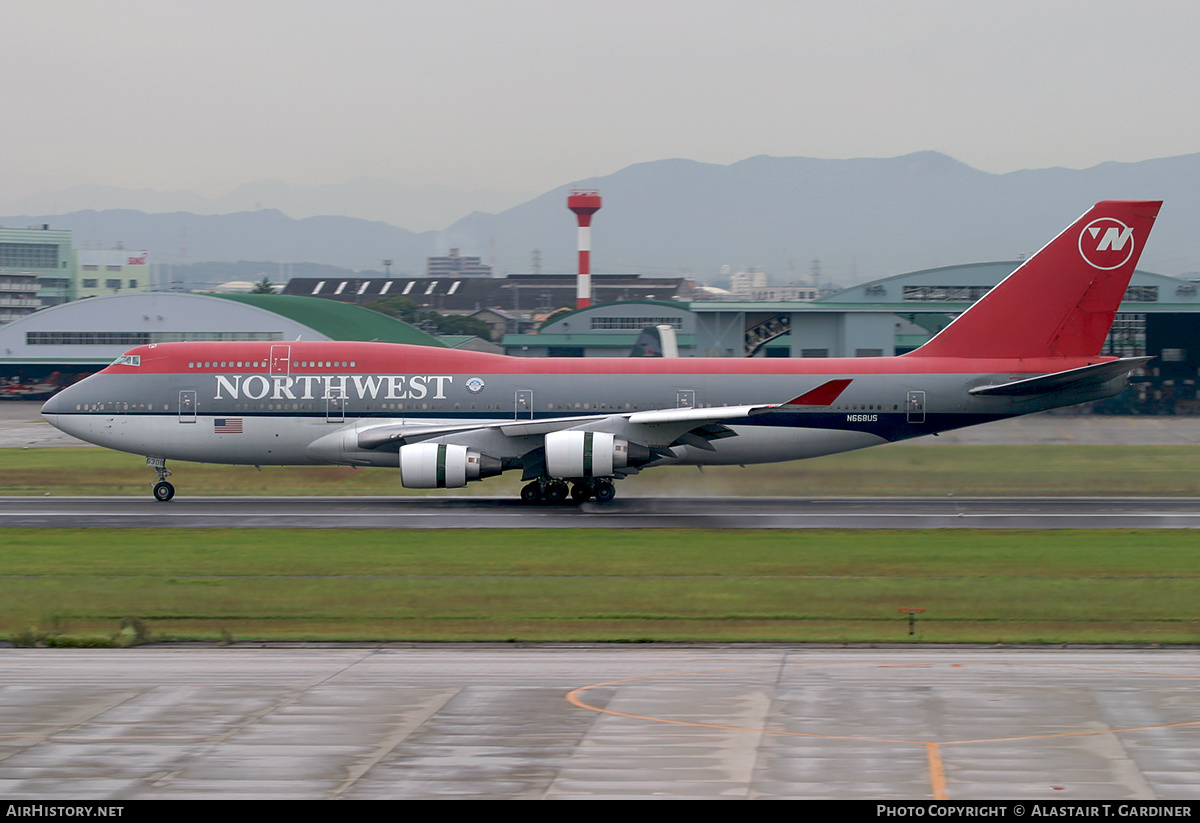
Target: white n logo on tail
x,y
1114,239
1106,243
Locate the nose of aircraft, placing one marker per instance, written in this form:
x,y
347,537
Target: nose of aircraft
x,y
60,412
56,405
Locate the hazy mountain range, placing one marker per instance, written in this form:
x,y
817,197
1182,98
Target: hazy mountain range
x,y
862,218
417,209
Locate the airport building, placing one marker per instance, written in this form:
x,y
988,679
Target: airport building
x,y
46,254
62,273
85,335
605,330
455,265
110,271
18,295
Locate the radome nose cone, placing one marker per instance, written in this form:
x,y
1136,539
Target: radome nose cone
x,y
52,407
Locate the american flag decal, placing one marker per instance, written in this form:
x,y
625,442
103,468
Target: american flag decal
x,y
227,425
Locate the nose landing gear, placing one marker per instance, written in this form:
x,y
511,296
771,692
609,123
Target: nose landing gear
x,y
163,491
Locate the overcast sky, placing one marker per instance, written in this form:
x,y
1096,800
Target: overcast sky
x,y
525,95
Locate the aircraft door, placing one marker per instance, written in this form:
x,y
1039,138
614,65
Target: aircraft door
x,y
335,406
281,360
915,405
685,399
523,405
187,406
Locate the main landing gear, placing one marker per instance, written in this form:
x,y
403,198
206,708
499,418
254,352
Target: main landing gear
x,y
545,490
163,491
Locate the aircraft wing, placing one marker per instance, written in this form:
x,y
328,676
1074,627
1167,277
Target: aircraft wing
x,y
1097,374
655,428
396,435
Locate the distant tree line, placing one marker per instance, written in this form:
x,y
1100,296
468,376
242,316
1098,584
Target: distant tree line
x,y
405,309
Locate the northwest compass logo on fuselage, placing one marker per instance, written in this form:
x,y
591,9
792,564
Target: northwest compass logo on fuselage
x,y
474,385
1106,243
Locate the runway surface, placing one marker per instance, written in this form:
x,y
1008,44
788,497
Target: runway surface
x,y
674,513
599,722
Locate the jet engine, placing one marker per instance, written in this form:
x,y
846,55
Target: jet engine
x,y
590,454
443,466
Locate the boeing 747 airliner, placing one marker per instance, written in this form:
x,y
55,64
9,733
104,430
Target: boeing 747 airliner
x,y
446,418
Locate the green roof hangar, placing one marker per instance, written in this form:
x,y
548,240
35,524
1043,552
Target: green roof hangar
x,y
83,336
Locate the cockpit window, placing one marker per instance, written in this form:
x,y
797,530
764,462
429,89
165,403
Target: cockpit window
x,y
128,360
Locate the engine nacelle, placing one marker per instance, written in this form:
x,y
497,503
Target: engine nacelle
x,y
585,454
443,466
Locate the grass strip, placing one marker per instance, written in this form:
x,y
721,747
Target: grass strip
x,y
900,469
67,586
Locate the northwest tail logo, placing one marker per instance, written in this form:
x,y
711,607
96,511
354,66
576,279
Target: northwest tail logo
x,y
1106,243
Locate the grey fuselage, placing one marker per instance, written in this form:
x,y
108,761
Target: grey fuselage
x,y
350,404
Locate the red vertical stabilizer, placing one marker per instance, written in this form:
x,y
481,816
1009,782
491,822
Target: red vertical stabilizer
x,y
1060,302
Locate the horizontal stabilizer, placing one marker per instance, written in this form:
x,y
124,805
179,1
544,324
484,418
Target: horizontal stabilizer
x,y
822,395
1096,375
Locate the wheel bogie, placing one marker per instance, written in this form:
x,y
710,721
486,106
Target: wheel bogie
x,y
580,490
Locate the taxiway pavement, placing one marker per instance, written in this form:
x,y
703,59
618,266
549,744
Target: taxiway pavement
x,y
599,722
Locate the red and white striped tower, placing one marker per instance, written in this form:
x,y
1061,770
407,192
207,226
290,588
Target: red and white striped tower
x,y
585,203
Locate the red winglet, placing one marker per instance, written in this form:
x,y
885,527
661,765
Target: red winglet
x,y
822,395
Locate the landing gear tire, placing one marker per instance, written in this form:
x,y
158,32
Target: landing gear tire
x,y
532,492
581,492
605,491
163,491
556,492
